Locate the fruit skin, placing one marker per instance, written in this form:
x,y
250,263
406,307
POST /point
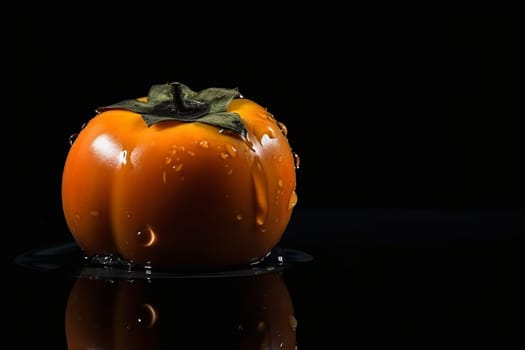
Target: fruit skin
x,y
177,193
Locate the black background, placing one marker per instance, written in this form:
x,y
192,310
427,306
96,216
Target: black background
x,y
387,108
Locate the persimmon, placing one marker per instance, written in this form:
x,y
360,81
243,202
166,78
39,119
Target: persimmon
x,y
180,179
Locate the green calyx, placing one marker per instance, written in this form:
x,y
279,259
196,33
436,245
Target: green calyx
x,y
176,101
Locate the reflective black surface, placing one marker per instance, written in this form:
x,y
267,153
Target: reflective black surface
x,y
68,257
378,276
394,108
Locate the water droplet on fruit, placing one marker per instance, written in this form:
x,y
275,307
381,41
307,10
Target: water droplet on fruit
x,y
239,217
147,236
224,155
293,200
167,160
293,322
283,128
123,157
204,144
280,183
261,194
296,160
232,151
271,133
72,138
264,135
177,167
263,115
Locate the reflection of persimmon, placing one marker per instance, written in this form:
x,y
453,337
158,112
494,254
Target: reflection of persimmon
x,y
253,312
271,322
104,314
89,311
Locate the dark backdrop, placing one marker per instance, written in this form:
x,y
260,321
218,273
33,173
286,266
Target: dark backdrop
x,y
403,108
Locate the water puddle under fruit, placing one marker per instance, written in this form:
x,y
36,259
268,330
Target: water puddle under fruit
x,y
69,258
